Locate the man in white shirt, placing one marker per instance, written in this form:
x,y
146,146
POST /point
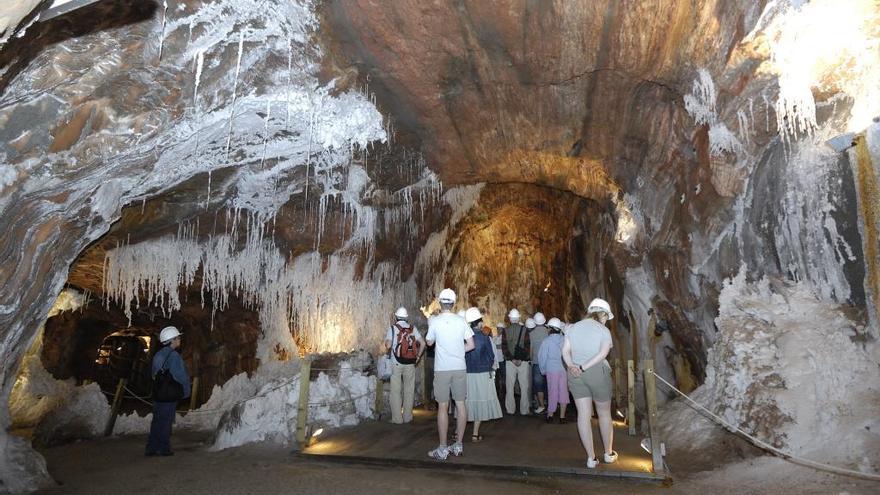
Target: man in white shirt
x,y
453,338
406,346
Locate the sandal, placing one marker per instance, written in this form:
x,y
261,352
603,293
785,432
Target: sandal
x,y
476,438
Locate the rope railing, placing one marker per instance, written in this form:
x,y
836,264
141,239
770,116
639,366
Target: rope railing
x,y
133,396
766,446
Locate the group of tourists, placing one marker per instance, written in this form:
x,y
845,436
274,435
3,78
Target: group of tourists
x,y
545,360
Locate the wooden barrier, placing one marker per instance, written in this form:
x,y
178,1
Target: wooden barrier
x,y
424,377
651,400
615,363
114,410
380,397
302,407
194,394
631,396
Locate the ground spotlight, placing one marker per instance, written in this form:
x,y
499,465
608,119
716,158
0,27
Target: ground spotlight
x,y
646,446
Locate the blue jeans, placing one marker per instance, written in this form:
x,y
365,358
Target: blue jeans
x,y
160,428
539,382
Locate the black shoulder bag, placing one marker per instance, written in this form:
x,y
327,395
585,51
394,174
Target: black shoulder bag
x,y
519,352
165,387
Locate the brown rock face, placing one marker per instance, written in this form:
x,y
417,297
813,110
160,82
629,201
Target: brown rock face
x,y
216,345
514,249
482,85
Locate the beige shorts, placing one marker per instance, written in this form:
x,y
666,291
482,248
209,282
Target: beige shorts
x,y
450,382
595,383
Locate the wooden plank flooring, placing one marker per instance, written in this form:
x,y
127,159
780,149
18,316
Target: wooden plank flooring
x,y
513,444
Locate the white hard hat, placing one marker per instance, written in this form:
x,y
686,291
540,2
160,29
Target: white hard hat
x,y
530,323
472,315
555,323
539,318
401,313
168,334
461,313
600,305
446,296
513,315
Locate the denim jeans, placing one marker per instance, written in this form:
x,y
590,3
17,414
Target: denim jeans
x,y
159,441
539,383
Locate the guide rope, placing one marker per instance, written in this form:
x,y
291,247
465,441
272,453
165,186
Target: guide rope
x,y
766,446
145,400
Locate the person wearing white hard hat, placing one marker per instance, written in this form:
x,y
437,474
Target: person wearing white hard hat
x,y
170,385
516,346
550,362
405,344
482,402
452,338
586,345
539,383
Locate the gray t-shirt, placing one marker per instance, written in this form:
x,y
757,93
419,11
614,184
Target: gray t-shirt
x,y
536,336
586,338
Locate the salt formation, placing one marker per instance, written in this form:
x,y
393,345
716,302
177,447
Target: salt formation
x,y
342,396
435,253
791,369
700,104
826,44
342,319
138,155
35,393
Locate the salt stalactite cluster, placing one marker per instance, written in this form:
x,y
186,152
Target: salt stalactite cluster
x,y
700,104
435,255
339,318
828,44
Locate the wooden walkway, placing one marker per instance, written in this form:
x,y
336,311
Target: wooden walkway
x,y
514,444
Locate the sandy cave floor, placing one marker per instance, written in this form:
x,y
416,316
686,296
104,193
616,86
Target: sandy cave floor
x,y
116,465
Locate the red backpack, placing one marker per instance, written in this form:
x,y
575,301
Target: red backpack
x,y
406,349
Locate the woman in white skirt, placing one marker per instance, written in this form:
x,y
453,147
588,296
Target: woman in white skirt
x,y
482,401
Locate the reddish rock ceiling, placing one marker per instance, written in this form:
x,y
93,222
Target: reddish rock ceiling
x,y
491,90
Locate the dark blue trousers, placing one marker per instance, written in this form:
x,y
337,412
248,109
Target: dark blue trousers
x,y
160,428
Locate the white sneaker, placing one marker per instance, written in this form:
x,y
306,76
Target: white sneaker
x,y
457,449
539,410
592,463
440,453
611,458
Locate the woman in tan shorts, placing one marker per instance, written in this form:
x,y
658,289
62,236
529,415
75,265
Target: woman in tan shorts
x,y
586,345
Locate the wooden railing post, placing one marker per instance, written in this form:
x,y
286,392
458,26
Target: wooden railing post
x,y
424,377
380,396
615,363
302,407
651,399
114,409
194,394
631,396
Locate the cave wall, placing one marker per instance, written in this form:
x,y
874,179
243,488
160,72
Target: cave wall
x,y
668,118
217,345
121,101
